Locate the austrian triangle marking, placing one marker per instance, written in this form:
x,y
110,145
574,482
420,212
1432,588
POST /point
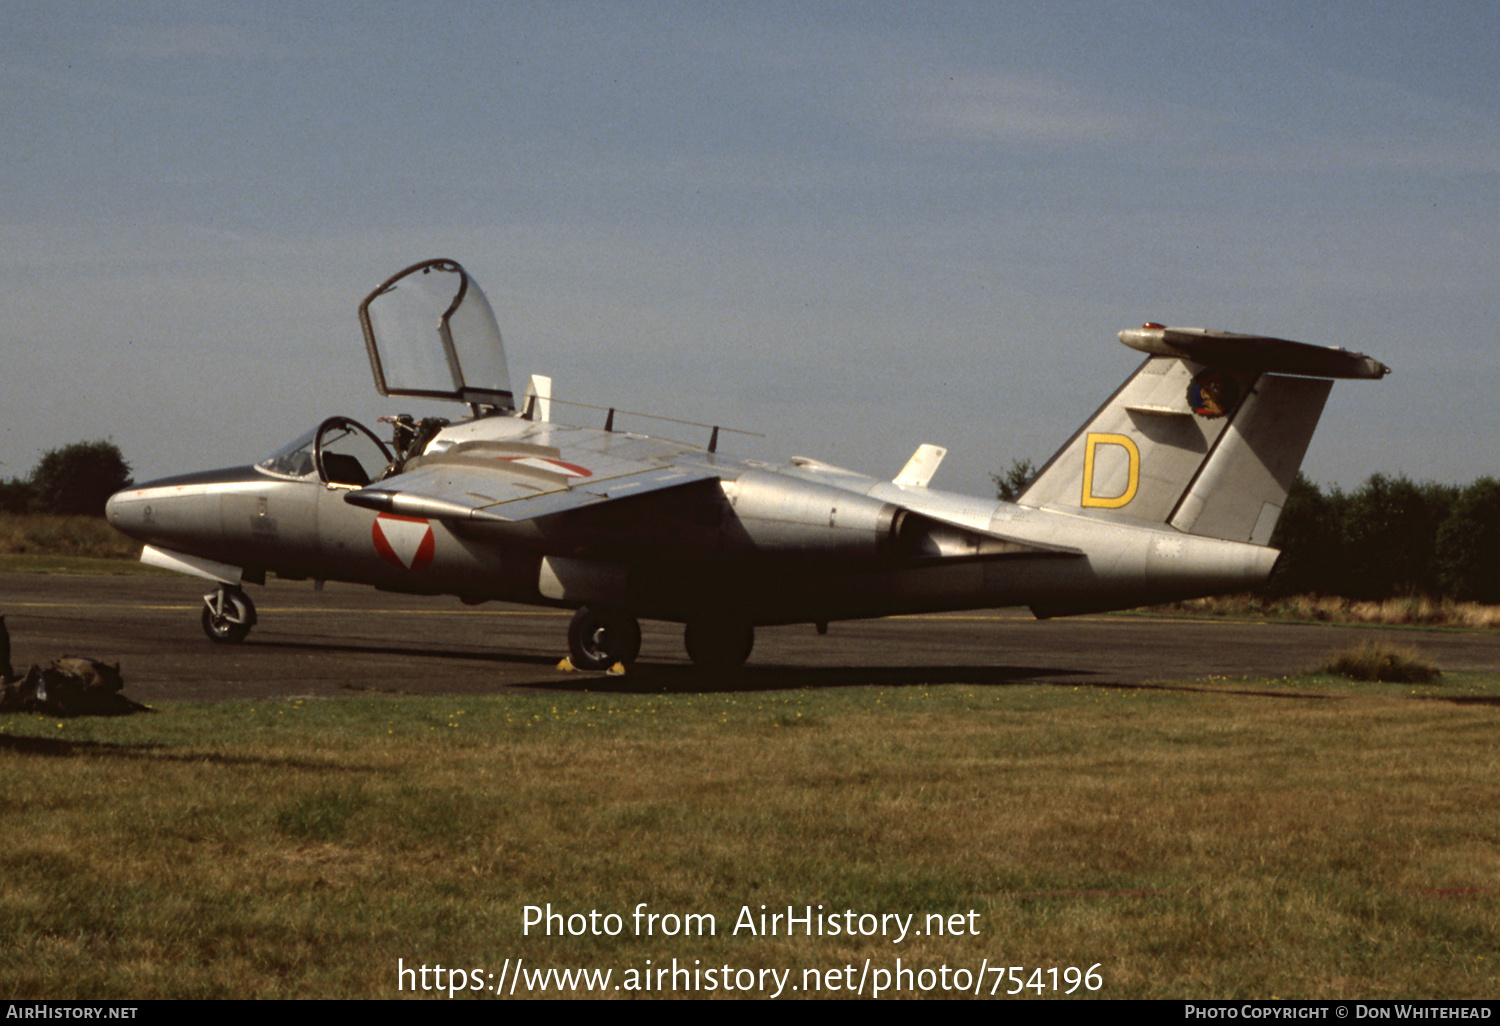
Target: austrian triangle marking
x,y
405,541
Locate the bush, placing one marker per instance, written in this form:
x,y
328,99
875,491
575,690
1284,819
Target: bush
x,y
1392,537
1468,544
1010,485
15,496
1310,535
78,478
1378,662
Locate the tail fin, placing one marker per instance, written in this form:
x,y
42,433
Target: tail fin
x,y
1205,436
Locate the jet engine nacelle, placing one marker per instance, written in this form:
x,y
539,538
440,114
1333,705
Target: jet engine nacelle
x,y
776,514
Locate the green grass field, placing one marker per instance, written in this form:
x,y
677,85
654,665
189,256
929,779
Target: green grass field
x,y
1297,838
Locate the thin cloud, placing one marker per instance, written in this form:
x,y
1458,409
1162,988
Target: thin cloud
x,y
1012,108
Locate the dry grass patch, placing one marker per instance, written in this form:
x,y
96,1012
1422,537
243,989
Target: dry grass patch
x,y
53,535
1371,661
1413,611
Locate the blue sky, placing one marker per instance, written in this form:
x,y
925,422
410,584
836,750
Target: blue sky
x,y
853,228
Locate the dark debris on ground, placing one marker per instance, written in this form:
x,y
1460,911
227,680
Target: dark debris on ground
x,y
70,686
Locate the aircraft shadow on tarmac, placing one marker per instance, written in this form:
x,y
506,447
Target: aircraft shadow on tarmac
x,y
656,678
669,678
463,655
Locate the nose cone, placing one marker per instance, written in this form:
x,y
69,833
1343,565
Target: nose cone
x,y
126,510
114,509
175,509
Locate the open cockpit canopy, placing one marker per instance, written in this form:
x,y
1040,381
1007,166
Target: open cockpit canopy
x,y
338,451
430,332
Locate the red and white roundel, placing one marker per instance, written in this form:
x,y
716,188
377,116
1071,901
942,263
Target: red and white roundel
x,y
405,541
548,464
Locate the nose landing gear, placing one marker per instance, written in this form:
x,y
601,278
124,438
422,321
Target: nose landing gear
x,y
228,615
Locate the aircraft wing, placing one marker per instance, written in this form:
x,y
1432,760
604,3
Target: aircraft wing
x,y
509,483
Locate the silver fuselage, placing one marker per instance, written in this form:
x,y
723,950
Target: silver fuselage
x,y
793,542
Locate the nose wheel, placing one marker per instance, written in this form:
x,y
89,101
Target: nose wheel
x,y
228,615
599,637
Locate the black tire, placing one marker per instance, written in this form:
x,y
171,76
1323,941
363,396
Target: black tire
x,y
718,644
600,637
230,630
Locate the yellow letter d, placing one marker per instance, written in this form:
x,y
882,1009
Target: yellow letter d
x,y
1131,453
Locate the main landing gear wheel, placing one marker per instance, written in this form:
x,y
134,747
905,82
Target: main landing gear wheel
x,y
718,644
600,637
228,615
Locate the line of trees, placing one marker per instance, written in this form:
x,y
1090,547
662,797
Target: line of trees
x,y
75,479
1389,538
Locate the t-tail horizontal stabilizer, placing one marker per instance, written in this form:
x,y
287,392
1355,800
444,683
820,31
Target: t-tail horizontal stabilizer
x,y
1252,352
1206,436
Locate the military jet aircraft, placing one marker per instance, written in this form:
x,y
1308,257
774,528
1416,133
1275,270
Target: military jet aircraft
x,y
1170,490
